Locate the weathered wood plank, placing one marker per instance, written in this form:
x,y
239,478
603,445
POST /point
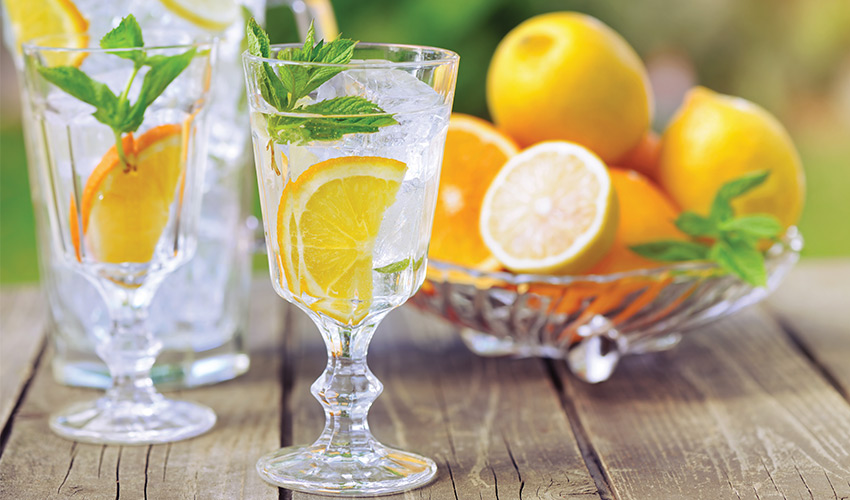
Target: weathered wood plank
x,y
813,305
494,426
734,412
22,325
219,465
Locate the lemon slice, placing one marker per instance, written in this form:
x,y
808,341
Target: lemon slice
x,y
213,15
34,18
124,212
328,220
550,209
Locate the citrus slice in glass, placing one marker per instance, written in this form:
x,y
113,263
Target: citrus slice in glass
x,y
551,209
213,15
475,151
35,18
125,209
327,224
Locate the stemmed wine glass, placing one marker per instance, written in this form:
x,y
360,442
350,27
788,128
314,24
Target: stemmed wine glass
x,y
120,148
348,197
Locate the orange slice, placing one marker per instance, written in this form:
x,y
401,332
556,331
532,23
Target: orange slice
x,y
34,18
551,209
327,223
124,210
475,151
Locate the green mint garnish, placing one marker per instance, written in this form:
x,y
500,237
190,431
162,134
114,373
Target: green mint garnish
x,y
397,267
116,111
284,88
732,241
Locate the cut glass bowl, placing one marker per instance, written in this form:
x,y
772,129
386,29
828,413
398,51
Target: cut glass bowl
x,y
592,321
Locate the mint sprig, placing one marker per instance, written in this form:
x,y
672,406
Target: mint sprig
x,y
326,120
729,241
116,111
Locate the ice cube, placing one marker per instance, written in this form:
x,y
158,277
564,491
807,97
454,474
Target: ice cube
x,y
394,90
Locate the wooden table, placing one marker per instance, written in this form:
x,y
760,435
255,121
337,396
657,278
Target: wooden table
x,y
757,406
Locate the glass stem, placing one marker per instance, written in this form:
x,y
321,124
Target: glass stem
x,y
346,391
131,349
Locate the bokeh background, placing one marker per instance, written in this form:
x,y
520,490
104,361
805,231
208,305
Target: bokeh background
x,y
791,56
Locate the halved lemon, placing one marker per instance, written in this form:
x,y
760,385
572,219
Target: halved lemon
x,y
34,18
551,209
475,152
327,223
124,210
213,15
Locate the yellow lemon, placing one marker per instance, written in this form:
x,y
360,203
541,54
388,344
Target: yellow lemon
x,y
568,76
715,138
550,209
327,224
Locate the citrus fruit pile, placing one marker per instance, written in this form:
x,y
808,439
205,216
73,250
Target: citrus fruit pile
x,y
593,179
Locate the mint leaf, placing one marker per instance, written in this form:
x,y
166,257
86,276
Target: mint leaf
x,y
694,224
284,88
78,84
164,69
126,35
357,115
671,250
271,88
741,258
721,207
395,267
258,40
758,226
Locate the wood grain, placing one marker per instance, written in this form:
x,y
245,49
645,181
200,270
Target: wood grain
x,y
22,326
813,305
734,412
38,464
494,426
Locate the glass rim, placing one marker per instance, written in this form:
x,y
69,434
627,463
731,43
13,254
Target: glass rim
x,y
34,45
446,57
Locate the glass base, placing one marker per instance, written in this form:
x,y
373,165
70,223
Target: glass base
x,y
104,422
382,471
173,370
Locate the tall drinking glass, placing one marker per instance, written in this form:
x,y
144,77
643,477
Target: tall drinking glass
x,y
348,219
122,206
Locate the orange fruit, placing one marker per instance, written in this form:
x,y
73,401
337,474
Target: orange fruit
x,y
475,151
124,210
714,139
550,209
644,157
35,18
646,214
327,223
567,76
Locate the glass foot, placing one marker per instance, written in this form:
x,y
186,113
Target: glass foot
x,y
382,471
103,421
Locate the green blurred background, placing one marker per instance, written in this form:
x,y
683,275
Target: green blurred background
x,y
792,57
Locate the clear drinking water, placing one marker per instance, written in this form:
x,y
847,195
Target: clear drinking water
x,y
200,311
417,141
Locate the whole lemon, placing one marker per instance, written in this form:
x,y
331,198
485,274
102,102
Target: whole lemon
x,y
568,76
715,138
